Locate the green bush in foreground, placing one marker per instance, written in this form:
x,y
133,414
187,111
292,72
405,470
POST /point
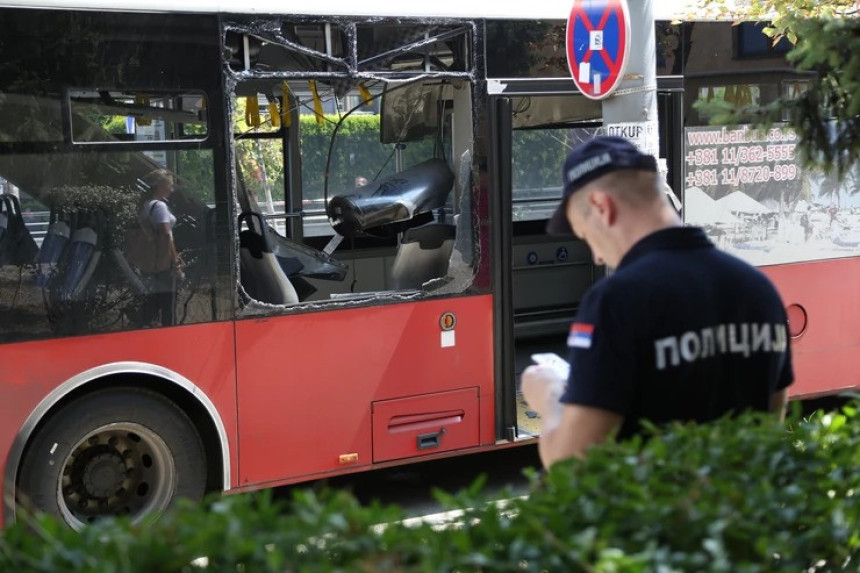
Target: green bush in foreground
x,y
738,495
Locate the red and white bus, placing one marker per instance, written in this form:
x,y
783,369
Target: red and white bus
x,y
361,198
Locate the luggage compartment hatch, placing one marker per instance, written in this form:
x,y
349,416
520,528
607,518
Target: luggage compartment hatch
x,y
418,425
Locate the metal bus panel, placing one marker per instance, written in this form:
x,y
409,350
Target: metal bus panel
x,y
823,305
430,423
306,383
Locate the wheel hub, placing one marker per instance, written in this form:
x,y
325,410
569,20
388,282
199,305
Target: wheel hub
x,y
103,475
118,469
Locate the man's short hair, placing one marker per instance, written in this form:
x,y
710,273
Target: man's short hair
x,y
591,160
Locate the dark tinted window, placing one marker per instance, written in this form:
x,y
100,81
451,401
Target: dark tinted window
x,y
137,91
526,49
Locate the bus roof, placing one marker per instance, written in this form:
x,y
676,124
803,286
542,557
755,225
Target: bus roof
x,y
491,9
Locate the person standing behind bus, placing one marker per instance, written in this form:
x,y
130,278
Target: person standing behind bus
x,y
155,213
680,331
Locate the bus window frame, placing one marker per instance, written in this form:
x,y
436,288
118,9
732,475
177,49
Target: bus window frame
x,y
68,110
250,27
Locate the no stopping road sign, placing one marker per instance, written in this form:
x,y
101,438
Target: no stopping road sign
x,y
598,45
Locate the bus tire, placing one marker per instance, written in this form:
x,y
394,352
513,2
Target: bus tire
x,y
120,451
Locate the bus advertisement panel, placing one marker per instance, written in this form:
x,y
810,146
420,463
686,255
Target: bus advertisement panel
x,y
756,200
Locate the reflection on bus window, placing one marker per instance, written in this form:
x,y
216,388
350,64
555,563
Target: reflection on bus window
x,y
750,42
544,58
545,130
76,209
17,108
738,94
104,116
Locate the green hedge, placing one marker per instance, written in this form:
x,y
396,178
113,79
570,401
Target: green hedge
x,y
742,495
357,151
538,155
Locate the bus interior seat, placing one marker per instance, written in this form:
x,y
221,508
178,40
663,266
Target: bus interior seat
x,y
423,254
399,201
298,261
261,274
77,261
460,264
53,247
81,255
439,256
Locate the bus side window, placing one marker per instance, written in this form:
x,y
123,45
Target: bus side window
x,y
356,185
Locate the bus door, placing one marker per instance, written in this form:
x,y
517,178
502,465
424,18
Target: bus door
x,y
541,279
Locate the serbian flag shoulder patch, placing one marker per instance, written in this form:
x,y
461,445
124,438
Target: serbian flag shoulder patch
x,y
580,335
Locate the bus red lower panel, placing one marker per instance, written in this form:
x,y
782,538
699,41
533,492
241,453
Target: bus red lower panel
x,y
307,382
823,301
429,423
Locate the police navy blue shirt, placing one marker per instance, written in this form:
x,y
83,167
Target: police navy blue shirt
x,y
680,331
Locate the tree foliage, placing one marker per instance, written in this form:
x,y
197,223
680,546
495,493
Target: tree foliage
x,y
826,40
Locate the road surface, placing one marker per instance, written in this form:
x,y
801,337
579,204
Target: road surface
x,y
411,486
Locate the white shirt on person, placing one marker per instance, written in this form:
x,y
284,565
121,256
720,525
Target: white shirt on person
x,y
156,212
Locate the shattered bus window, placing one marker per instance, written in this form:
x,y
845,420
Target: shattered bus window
x,y
350,181
274,46
413,47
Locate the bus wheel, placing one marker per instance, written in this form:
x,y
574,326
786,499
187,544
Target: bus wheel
x,y
120,451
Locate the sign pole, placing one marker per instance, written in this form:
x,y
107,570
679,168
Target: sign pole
x,y
631,112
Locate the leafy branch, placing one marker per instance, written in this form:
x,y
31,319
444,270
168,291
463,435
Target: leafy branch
x,y
825,38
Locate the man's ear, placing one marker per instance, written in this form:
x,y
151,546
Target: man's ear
x,y
604,205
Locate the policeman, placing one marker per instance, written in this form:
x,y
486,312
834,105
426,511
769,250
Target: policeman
x,y
679,331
